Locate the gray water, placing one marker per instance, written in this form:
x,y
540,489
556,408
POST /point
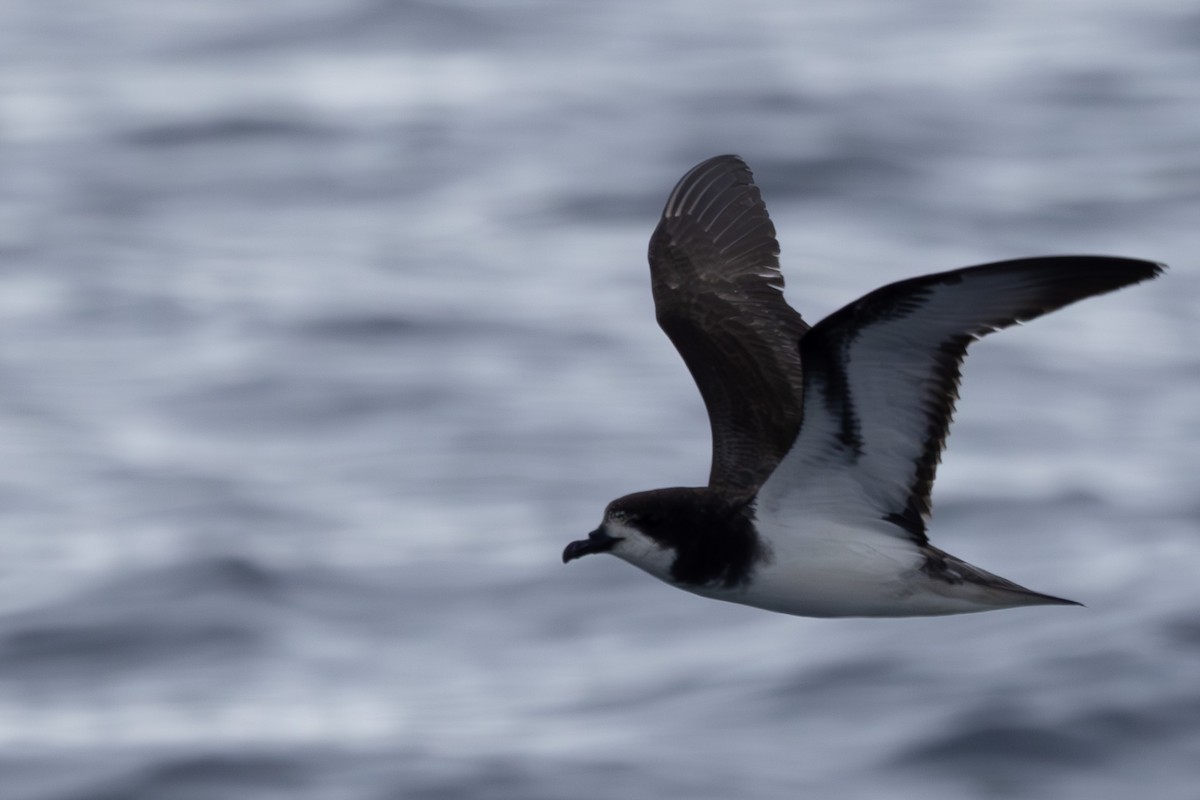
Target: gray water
x,y
324,326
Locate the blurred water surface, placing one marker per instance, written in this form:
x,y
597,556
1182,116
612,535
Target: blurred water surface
x,y
324,326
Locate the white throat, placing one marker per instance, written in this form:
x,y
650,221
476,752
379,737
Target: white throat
x,y
640,550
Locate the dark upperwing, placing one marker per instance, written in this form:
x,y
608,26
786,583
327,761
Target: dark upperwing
x,y
718,292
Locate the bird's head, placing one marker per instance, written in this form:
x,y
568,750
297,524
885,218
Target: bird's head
x,y
641,528
652,529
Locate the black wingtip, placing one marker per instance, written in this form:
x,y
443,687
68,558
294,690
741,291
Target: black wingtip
x,y
1139,269
1061,601
731,158
1115,271
1093,275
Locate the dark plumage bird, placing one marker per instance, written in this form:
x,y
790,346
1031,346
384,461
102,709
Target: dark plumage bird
x,y
826,439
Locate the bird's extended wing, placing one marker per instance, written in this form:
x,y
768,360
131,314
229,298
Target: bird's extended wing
x,y
881,378
718,292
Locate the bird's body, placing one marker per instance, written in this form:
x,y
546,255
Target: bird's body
x,y
826,439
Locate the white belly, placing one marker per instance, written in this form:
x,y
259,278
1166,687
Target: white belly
x,y
835,570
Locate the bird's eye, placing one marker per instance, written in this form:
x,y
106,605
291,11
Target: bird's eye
x,y
650,520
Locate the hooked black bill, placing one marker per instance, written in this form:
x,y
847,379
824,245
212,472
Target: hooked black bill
x,y
597,542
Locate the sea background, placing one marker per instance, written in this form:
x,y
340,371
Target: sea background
x,y
325,326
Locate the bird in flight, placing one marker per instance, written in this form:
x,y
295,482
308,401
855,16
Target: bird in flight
x,y
825,438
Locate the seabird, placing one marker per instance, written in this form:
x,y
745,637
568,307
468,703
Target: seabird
x,y
826,439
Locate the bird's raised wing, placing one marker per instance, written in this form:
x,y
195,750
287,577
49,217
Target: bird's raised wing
x,y
718,293
881,378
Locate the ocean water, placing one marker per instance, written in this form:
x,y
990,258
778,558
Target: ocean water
x,y
325,326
